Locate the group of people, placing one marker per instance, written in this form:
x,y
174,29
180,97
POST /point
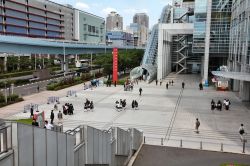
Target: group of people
x,y
68,109
218,105
89,105
120,105
134,104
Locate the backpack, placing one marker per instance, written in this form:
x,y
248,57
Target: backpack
x,y
242,131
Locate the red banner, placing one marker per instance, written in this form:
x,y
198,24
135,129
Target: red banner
x,y
115,64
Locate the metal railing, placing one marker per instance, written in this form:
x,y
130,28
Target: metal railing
x,y
240,147
5,138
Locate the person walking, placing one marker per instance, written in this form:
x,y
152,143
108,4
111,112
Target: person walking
x,y
38,88
242,132
133,104
52,116
172,82
197,125
60,117
140,91
167,85
156,82
212,104
201,86
160,82
183,85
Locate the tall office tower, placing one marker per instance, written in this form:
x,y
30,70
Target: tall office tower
x,y
114,22
141,19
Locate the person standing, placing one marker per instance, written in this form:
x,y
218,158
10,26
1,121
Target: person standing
x,y
140,91
156,82
31,111
52,116
172,82
60,117
197,125
160,82
183,85
48,125
167,85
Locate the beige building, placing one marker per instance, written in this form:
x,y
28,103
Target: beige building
x,y
114,22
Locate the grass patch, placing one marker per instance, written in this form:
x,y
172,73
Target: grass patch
x,y
24,121
233,164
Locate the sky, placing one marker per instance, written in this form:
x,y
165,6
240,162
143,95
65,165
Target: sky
x,y
126,8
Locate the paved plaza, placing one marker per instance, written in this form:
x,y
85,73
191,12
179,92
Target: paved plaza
x,y
165,116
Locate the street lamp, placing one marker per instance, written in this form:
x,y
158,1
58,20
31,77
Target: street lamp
x,y
64,60
5,93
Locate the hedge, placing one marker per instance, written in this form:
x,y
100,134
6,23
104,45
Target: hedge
x,y
71,82
16,74
10,100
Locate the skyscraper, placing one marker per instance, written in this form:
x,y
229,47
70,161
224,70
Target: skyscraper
x,y
141,19
114,22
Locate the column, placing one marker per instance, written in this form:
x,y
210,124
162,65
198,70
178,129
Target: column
x,y
244,91
207,43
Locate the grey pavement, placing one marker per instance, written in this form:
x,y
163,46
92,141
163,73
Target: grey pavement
x,y
170,156
165,116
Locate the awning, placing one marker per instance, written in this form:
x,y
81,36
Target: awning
x,y
233,75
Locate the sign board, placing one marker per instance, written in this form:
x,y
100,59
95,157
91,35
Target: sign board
x,y
115,65
223,85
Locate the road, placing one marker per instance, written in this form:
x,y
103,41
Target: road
x,y
28,89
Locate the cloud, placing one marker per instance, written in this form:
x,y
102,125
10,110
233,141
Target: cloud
x,y
107,10
82,6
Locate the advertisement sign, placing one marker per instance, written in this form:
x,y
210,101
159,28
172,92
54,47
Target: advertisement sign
x,y
115,65
40,118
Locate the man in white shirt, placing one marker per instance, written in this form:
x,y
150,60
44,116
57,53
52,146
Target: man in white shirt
x,y
48,125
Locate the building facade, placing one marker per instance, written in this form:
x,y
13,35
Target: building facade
x,y
140,34
114,22
119,38
89,28
36,18
192,36
141,19
239,50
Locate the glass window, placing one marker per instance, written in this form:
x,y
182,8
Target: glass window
x,y
36,25
15,14
52,21
1,28
53,34
15,21
37,32
36,18
52,27
15,29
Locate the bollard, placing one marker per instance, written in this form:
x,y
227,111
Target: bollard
x,y
201,145
144,139
244,145
181,143
221,147
161,141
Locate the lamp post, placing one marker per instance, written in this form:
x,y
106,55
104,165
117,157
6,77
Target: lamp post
x,y
64,60
5,93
